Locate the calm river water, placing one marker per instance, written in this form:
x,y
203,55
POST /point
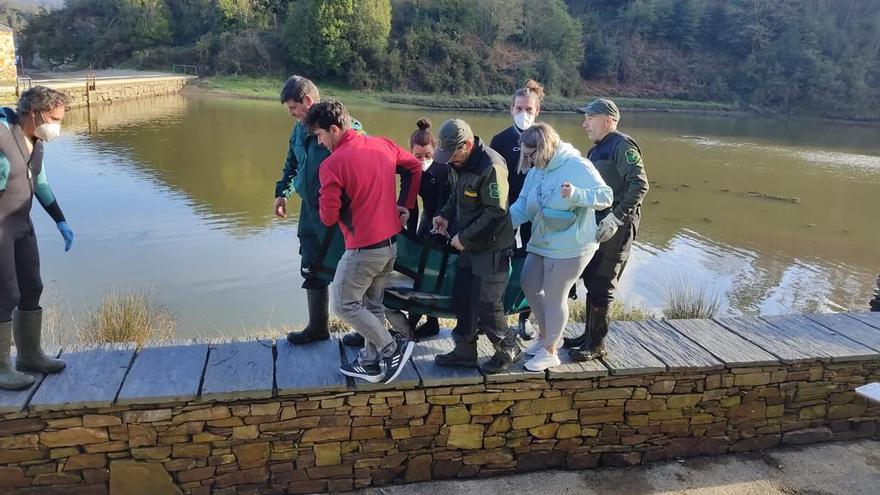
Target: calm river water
x,y
173,195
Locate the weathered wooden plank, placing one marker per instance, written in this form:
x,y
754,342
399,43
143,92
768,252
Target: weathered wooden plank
x,y
871,318
91,379
769,338
570,369
408,378
626,356
515,372
848,326
821,340
728,347
433,375
673,348
164,372
239,370
16,400
309,368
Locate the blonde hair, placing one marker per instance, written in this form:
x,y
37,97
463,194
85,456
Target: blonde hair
x,y
544,139
533,90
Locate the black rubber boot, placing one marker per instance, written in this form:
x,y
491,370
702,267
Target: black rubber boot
x,y
594,347
319,318
573,342
464,354
429,328
506,352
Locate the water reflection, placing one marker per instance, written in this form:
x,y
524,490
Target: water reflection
x,y
174,193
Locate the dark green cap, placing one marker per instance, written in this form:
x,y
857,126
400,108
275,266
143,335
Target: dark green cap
x,y
601,106
453,133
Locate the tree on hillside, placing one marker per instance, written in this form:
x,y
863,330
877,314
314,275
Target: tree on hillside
x,y
554,33
324,37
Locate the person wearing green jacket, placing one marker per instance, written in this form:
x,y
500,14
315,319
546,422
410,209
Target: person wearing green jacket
x,y
477,209
320,247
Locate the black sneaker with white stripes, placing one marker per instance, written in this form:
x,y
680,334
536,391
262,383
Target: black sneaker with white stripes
x,y
371,372
394,363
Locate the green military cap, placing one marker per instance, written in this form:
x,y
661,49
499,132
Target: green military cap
x,y
601,106
453,133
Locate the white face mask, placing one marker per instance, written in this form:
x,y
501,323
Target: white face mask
x,y
48,131
523,120
426,164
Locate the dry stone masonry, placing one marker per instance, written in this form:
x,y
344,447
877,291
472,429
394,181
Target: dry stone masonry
x,y
245,422
107,90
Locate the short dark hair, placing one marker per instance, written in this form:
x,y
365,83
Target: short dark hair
x,y
327,113
41,99
296,88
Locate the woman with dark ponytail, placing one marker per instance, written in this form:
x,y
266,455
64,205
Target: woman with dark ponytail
x,y
434,191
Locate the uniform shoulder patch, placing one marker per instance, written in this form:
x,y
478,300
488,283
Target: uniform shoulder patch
x,y
632,156
493,191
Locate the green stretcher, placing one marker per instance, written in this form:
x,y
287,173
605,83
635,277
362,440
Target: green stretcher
x,y
425,277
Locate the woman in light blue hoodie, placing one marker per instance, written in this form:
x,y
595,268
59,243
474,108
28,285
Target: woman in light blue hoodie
x,y
562,190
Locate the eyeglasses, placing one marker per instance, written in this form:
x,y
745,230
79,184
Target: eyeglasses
x,y
528,154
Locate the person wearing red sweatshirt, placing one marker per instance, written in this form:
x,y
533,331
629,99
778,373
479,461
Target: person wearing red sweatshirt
x,y
358,187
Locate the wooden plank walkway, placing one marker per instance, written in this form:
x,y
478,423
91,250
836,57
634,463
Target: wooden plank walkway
x,y
573,370
408,378
91,379
232,370
626,355
728,347
435,376
868,318
514,373
309,368
676,351
160,373
786,347
848,326
821,340
239,370
16,400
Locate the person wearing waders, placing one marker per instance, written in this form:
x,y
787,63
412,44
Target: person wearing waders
x,y
478,209
316,240
618,159
23,132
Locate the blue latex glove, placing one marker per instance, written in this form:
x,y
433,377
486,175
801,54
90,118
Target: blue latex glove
x,y
67,234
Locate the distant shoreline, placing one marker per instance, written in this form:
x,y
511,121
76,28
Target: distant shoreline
x,y
267,89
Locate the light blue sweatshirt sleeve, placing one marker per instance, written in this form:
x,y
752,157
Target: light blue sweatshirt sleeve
x,y
591,191
519,211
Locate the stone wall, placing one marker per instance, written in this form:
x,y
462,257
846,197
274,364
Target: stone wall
x,y
341,441
109,90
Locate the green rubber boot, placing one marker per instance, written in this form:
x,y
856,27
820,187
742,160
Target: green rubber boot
x,y
10,378
27,327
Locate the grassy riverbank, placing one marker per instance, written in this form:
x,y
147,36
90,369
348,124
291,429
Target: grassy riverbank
x,y
267,89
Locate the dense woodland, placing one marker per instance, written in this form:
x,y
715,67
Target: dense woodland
x,y
817,57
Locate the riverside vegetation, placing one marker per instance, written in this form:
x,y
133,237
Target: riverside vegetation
x,y
135,316
784,56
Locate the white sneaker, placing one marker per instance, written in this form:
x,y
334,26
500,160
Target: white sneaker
x,y
542,360
535,347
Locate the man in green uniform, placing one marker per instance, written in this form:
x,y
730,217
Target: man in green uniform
x,y
618,159
478,209
320,247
